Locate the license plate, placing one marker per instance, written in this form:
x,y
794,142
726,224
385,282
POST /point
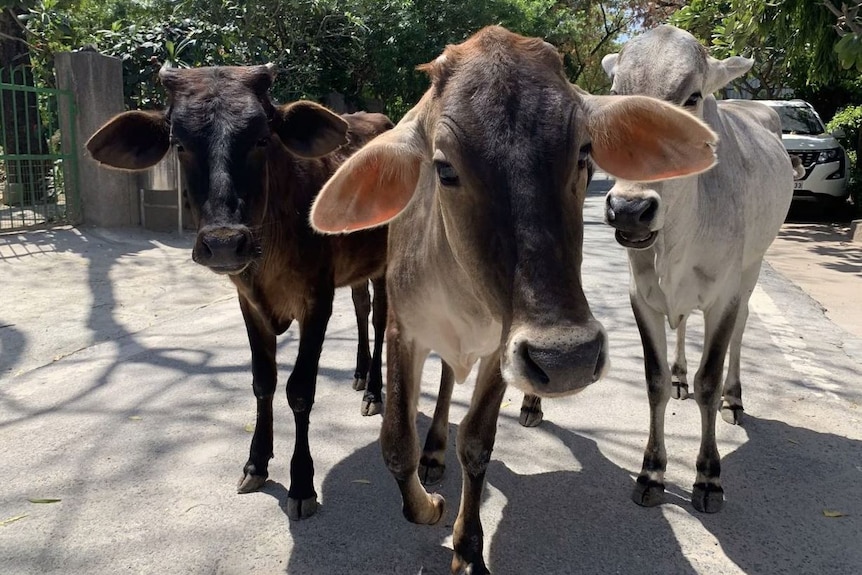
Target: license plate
x,y
797,185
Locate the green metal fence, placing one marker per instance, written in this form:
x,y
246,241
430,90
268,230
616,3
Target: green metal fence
x,y
38,171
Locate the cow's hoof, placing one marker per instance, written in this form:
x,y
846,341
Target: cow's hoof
x,y
732,414
371,407
431,472
461,567
648,493
679,390
431,515
298,509
250,483
530,418
359,384
707,498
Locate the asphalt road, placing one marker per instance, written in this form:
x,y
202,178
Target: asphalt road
x,y
125,393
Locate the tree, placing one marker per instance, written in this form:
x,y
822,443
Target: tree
x,y
22,126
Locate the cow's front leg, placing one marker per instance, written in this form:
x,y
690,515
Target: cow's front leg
x,y
372,401
362,308
679,370
531,411
475,443
649,489
399,440
707,495
261,339
432,464
301,386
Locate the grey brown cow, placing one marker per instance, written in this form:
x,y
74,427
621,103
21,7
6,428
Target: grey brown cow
x,y
697,243
253,170
483,182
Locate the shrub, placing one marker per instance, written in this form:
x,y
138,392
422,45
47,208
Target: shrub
x,y
849,120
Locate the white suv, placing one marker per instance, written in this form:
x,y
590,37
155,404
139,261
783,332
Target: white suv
x,y
823,158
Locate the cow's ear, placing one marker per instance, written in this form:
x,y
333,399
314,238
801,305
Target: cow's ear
x,y
609,65
643,139
133,140
374,185
720,73
309,130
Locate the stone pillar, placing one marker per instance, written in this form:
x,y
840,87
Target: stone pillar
x,y
108,198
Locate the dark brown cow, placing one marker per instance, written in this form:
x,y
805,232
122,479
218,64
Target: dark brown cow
x,y
253,170
484,182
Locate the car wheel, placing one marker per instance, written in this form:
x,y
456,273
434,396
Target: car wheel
x,y
835,207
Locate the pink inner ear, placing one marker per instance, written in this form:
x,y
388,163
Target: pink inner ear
x,y
640,139
364,193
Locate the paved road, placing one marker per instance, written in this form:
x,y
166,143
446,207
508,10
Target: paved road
x,y
125,392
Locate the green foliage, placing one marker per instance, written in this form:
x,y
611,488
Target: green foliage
x,y
791,41
365,50
849,51
849,120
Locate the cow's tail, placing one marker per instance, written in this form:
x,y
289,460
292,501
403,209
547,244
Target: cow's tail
x,y
798,168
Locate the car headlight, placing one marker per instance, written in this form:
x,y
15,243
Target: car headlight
x,y
831,155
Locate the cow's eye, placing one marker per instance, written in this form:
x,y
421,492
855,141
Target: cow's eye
x,y
446,173
693,100
263,142
584,156
613,92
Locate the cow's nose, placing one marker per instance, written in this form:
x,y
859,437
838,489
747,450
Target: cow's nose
x,y
631,214
558,361
225,250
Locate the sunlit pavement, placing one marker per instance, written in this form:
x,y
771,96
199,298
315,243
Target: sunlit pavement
x,y
125,392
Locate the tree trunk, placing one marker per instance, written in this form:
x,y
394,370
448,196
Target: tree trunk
x,y
26,179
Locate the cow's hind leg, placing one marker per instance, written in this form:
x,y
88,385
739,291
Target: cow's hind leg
x,y
263,369
399,440
707,495
649,489
475,443
731,405
301,387
679,369
432,464
372,399
362,307
531,411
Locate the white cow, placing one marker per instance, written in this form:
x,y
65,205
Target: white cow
x,y
696,242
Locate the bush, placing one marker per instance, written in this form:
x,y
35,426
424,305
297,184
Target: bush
x,y
849,120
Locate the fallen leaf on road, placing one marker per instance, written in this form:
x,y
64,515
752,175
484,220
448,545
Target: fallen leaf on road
x,y
6,522
193,506
249,428
362,481
793,441
830,513
43,500
507,404
135,417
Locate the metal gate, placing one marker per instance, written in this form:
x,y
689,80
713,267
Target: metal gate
x,y
38,169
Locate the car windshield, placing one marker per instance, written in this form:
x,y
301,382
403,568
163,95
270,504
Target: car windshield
x,y
799,120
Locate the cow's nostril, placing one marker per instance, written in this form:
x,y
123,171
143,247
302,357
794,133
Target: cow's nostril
x,y
205,252
649,213
242,244
533,368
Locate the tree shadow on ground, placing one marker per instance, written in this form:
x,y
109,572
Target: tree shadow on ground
x,y
578,521
786,481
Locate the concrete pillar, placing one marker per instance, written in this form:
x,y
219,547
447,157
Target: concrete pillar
x,y
109,198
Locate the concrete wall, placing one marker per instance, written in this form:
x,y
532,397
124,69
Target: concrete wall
x,y
109,198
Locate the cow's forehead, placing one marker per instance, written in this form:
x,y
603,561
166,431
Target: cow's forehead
x,y
227,97
664,62
500,89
